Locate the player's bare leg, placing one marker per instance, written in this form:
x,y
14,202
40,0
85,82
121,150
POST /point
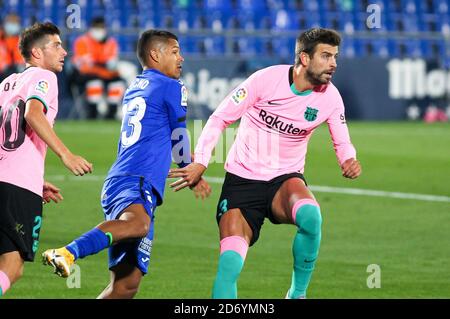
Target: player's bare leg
x,y
125,280
11,269
133,223
295,204
235,236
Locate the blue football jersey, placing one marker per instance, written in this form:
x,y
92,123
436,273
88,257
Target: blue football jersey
x,y
154,123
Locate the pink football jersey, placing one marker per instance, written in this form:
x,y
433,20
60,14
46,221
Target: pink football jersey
x,y
276,124
22,152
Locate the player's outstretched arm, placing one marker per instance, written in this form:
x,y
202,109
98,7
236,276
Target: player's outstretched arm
x,y
51,193
189,176
36,119
351,168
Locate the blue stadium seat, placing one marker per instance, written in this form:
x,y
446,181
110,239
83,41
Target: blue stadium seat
x,y
434,49
257,7
143,5
444,23
429,22
284,47
426,6
303,5
394,49
347,48
329,6
188,45
305,20
182,20
394,6
442,7
222,5
264,23
284,20
276,5
332,20
149,20
199,20
380,47
372,48
242,20
266,47
302,20
411,6
211,46
403,48
411,22
127,43
244,46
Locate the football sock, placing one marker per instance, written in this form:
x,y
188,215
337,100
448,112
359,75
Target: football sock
x,y
306,214
4,283
89,243
233,250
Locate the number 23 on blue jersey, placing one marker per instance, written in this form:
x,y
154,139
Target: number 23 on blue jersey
x,y
131,126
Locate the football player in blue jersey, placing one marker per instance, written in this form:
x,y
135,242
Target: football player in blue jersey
x,y
153,126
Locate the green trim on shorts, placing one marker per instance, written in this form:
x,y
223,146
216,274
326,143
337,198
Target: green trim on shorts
x,y
110,238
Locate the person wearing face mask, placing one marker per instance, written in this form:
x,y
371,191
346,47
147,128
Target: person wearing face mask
x,y
10,59
95,59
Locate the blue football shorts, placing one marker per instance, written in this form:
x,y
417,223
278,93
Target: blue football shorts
x,y
118,193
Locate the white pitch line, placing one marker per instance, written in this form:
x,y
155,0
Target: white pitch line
x,y
315,188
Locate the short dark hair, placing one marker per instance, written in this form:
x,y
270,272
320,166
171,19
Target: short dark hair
x,y
148,38
99,20
33,34
308,41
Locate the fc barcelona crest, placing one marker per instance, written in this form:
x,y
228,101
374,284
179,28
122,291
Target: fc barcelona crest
x,y
310,114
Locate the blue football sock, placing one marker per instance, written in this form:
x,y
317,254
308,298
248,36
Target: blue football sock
x,y
89,243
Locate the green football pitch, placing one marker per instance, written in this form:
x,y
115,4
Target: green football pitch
x,y
406,237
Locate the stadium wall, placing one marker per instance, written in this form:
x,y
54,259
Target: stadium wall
x,y
372,88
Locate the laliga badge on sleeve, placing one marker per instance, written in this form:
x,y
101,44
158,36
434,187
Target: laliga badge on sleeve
x,y
184,96
42,87
239,95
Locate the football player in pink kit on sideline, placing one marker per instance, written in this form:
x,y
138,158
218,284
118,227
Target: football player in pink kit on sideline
x,y
279,108
28,108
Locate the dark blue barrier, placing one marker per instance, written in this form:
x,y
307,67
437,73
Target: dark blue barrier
x,y
372,88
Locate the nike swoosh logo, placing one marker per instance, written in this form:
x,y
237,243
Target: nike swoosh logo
x,y
273,103
309,261
144,260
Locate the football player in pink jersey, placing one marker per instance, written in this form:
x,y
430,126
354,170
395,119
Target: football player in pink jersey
x,y
279,108
28,108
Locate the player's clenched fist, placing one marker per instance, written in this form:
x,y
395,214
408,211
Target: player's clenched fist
x,y
351,168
